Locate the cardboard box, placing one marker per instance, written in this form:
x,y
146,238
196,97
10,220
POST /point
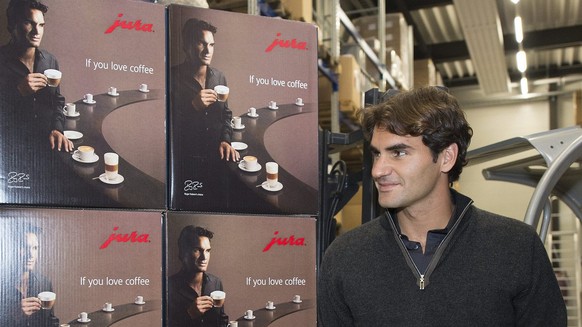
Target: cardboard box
x,y
299,9
87,258
350,93
98,45
273,261
424,73
261,60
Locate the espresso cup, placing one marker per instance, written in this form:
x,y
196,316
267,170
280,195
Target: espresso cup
x,y
139,299
250,162
85,152
83,316
218,298
112,90
249,314
296,298
143,87
232,323
270,305
53,77
252,111
236,122
272,169
71,109
272,104
299,101
221,92
88,97
111,165
108,306
47,299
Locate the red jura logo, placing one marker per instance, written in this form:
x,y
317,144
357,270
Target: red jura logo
x,y
129,25
293,44
133,237
284,241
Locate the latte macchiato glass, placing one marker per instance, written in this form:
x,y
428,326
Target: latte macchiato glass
x,y
47,299
272,169
111,165
53,77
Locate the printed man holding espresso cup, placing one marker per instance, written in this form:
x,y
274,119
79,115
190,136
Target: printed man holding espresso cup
x,y
31,103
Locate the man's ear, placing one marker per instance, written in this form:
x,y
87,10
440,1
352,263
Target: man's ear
x,y
449,157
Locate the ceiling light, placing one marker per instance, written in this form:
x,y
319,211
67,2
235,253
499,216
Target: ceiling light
x,y
518,29
515,1
521,61
523,85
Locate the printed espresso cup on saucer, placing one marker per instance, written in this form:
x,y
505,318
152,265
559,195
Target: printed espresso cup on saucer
x,y
250,162
143,88
236,122
83,317
85,152
112,90
88,97
71,109
53,77
252,111
108,306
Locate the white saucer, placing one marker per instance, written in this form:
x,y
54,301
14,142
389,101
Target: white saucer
x,y
249,318
144,91
112,309
239,146
241,165
73,135
113,94
295,301
89,102
76,114
139,303
273,108
273,308
84,321
253,116
118,180
76,158
239,128
278,187
299,105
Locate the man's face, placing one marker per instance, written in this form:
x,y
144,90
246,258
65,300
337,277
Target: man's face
x,y
197,260
29,251
202,50
403,170
29,32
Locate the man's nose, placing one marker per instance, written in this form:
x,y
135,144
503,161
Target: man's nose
x,y
381,167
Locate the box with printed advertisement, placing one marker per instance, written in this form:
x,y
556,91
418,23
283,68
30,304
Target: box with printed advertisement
x,y
80,267
219,270
243,113
83,123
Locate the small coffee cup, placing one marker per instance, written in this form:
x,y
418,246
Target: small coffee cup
x,y
88,97
232,323
270,305
299,101
53,77
71,109
252,111
297,299
250,162
236,122
249,314
47,299
112,90
222,92
139,299
218,298
273,104
111,160
85,152
108,306
143,88
83,317
272,169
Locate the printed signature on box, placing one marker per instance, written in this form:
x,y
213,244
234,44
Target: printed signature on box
x,y
16,180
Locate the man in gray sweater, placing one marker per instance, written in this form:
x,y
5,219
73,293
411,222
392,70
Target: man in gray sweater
x,y
433,258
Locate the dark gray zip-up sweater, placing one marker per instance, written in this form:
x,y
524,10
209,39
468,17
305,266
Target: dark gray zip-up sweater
x,y
489,271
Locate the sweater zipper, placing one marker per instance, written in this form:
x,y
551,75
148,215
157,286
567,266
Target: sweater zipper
x,y
423,278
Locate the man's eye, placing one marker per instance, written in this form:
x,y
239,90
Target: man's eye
x,y
398,153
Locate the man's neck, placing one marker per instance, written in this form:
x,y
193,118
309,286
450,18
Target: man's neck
x,y
26,55
195,281
200,75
